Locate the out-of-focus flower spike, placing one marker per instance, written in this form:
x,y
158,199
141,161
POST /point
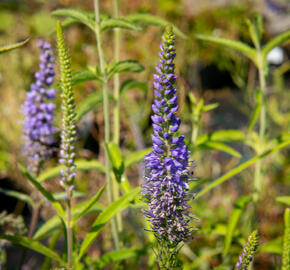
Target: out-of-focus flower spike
x,y
248,253
68,132
38,109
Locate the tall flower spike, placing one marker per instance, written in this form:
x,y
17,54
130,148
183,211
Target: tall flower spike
x,y
248,252
68,132
167,166
39,111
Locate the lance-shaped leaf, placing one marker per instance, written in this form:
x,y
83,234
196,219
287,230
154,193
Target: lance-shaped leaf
x,y
117,255
217,146
55,223
111,23
52,243
236,213
89,204
136,157
103,219
76,15
84,76
273,247
88,104
256,111
18,195
149,19
43,191
10,47
125,66
230,135
274,42
34,245
283,199
116,159
82,165
232,44
133,84
240,168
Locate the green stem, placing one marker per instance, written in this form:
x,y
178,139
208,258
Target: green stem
x,y
116,111
262,127
106,118
195,128
69,230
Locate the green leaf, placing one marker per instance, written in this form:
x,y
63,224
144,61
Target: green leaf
x,y
240,168
133,84
52,243
149,19
254,33
256,111
55,222
117,255
111,23
236,213
81,165
218,146
136,157
88,104
274,42
210,107
232,44
274,247
89,204
76,15
84,76
34,245
42,190
125,66
18,195
283,199
103,218
117,160
61,195
10,47
230,135
48,228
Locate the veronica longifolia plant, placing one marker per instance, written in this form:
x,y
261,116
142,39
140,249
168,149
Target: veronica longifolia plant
x,y
167,174
39,112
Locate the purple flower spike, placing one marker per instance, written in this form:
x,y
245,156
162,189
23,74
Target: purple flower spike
x,y
39,112
167,175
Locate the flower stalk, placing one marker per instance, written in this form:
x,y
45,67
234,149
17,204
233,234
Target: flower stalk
x,y
102,61
68,135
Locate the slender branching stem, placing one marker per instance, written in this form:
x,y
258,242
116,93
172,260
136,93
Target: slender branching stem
x,y
102,61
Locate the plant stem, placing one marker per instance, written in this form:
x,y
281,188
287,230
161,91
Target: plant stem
x,y
195,128
116,109
69,230
116,112
262,127
106,118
